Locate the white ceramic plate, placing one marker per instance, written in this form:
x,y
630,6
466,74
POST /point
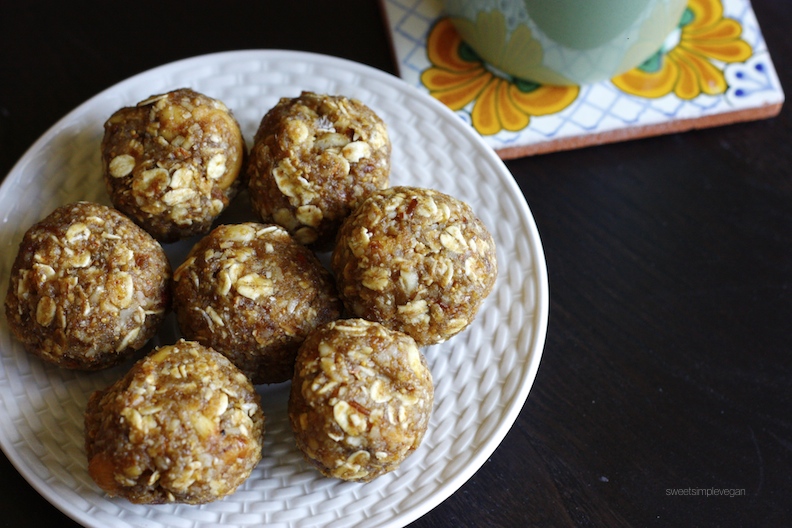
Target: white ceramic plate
x,y
482,376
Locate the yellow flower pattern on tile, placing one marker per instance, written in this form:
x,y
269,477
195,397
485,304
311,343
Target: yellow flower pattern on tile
x,y
687,69
459,77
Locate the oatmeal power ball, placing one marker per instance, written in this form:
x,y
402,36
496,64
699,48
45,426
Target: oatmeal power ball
x,y
88,287
172,163
252,293
416,260
315,157
360,399
183,425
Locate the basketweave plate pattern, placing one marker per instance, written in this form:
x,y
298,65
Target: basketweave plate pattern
x,y
482,376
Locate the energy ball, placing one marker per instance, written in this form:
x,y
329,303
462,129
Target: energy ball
x,y
314,159
360,399
173,162
88,287
183,425
253,294
416,260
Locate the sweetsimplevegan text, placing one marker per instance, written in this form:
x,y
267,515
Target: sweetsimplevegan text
x,y
705,492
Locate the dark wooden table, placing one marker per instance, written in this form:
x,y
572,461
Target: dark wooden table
x,y
668,361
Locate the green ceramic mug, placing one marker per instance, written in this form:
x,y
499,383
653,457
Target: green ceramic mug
x,y
565,42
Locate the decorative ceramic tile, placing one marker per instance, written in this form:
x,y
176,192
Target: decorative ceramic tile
x,y
713,70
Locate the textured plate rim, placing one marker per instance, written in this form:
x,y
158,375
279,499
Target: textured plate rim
x,y
540,314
